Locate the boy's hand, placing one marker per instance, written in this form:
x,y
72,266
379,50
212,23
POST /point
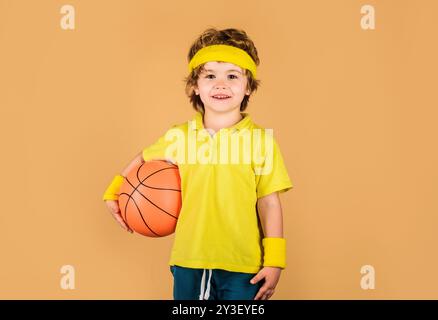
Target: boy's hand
x,y
271,276
113,206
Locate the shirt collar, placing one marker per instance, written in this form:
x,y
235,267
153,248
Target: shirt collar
x,y
244,123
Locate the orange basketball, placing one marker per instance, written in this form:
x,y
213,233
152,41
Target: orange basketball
x,y
150,198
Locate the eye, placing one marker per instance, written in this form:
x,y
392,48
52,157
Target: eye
x,y
232,76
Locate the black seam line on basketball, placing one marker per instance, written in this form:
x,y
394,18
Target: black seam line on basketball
x,y
141,182
139,211
147,226
172,167
135,189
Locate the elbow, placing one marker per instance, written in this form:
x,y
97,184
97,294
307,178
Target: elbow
x,y
270,200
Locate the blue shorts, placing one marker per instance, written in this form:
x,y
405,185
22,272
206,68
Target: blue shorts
x,y
212,284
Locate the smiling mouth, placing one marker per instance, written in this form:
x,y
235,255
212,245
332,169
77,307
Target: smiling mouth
x,y
221,97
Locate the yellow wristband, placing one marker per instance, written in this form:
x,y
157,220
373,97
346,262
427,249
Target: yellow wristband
x,y
112,192
274,252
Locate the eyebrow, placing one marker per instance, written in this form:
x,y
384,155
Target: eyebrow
x,y
231,70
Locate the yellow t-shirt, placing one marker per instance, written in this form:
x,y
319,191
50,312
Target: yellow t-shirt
x,y
218,226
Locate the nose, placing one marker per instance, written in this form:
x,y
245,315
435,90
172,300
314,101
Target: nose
x,y
220,85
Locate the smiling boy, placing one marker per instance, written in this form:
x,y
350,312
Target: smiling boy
x,y
230,224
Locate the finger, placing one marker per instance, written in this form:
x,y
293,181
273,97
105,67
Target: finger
x,y
124,224
257,278
268,295
120,220
265,296
118,217
265,289
260,293
116,214
114,211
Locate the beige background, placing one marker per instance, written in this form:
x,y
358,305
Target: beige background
x,y
354,112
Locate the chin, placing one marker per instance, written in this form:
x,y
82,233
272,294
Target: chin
x,y
221,109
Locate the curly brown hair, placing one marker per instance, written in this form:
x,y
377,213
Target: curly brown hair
x,y
211,36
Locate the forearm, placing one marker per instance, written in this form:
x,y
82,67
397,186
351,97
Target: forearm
x,y
112,191
271,218
135,162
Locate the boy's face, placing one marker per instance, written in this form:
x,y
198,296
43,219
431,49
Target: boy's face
x,y
222,78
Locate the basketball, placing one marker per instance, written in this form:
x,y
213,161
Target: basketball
x,y
150,198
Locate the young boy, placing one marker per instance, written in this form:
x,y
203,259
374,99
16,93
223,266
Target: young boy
x,y
229,241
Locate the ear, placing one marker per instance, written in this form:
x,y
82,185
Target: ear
x,y
248,90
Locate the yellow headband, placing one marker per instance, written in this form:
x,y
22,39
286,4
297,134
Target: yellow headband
x,y
226,53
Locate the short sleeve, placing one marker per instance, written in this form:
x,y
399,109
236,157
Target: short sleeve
x,y
159,150
275,177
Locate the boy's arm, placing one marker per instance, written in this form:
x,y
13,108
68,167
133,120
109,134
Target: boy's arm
x,y
135,162
271,219
271,216
111,193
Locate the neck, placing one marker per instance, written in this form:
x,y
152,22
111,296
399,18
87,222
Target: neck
x,y
216,121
